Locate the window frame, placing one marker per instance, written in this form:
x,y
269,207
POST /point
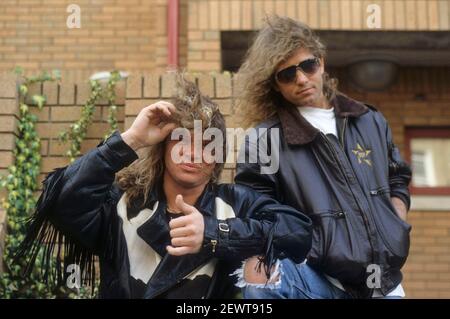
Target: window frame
x,y
425,132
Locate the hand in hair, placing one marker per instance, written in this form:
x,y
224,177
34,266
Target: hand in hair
x,y
186,231
151,126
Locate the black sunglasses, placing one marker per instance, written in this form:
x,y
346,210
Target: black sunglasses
x,y
289,74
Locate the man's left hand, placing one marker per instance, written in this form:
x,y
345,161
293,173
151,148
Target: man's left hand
x,y
186,231
400,208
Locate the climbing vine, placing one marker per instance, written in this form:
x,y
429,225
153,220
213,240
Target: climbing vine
x,y
111,94
78,130
21,184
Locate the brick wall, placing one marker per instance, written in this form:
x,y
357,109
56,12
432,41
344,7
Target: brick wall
x,y
63,107
419,97
427,272
114,34
8,129
133,36
8,121
207,18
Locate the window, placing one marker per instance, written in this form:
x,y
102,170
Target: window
x,y
428,151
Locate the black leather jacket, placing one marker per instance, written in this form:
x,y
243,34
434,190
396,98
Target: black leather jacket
x,y
80,202
345,185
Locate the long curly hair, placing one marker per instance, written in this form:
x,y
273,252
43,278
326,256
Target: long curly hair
x,y
276,42
147,172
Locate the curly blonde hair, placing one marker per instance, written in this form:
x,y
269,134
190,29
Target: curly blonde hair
x,y
147,172
278,39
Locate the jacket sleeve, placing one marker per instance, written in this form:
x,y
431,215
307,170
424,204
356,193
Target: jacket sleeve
x,y
79,208
399,171
248,171
261,227
72,213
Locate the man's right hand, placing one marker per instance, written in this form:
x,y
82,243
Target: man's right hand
x,y
151,126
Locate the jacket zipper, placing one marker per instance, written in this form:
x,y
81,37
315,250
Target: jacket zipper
x,y
335,214
343,131
366,221
378,191
213,243
331,147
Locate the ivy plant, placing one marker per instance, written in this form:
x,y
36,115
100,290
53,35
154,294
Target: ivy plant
x,y
21,185
78,130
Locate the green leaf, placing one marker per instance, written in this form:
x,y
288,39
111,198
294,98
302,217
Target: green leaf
x,y
39,100
23,108
56,74
23,89
18,70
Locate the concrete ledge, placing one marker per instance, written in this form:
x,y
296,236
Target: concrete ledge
x,y
430,203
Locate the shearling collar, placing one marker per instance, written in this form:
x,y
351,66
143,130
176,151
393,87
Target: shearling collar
x,y
298,131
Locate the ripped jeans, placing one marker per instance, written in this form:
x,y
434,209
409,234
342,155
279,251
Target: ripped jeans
x,y
295,281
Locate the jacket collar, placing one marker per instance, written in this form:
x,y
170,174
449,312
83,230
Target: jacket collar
x,y
298,131
203,203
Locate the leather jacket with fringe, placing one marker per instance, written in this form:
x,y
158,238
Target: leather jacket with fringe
x,y
81,217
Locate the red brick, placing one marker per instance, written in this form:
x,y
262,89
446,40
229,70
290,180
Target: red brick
x,y
71,113
51,130
48,164
134,86
120,92
223,85
83,93
225,106
7,141
57,148
98,130
50,91
8,88
206,84
42,115
67,93
89,144
8,123
44,147
6,158
152,85
167,85
133,107
128,121
9,106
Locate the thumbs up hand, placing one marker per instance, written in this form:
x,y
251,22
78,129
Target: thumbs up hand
x,y
186,231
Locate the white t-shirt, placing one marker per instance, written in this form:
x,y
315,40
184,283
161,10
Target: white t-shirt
x,y
322,119
325,121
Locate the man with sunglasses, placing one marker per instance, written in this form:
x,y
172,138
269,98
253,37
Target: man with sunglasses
x,y
339,166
